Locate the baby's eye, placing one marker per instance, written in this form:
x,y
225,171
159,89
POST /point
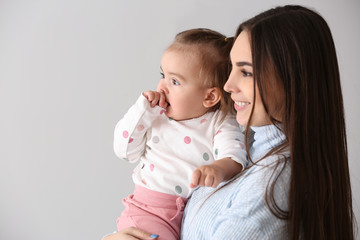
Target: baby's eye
x,y
175,82
162,75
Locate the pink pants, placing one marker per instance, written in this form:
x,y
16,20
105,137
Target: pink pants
x,y
154,212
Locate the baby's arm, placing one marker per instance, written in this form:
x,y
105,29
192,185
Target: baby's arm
x,y
230,154
219,171
130,134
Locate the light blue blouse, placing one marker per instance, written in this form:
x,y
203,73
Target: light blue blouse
x,y
239,210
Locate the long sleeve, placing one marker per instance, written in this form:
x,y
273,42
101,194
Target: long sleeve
x,y
131,131
229,141
248,216
238,209
169,151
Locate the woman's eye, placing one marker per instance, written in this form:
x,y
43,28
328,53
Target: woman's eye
x,y
175,82
246,74
162,75
230,67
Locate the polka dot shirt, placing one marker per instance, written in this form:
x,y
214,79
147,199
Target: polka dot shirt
x,y
168,151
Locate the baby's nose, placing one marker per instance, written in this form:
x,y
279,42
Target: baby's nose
x,y
162,87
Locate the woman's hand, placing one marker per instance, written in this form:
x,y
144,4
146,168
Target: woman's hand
x,y
131,233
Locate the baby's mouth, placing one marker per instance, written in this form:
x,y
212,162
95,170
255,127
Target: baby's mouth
x,y
166,105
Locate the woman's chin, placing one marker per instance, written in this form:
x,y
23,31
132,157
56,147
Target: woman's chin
x,y
243,122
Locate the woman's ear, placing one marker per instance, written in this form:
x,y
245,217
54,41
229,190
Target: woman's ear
x,y
212,97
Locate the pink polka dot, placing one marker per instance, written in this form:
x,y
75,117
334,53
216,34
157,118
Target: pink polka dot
x,y
152,167
125,134
203,120
140,127
242,145
187,139
162,111
218,132
143,181
131,139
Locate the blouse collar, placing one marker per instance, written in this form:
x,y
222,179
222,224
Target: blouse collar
x,y
265,138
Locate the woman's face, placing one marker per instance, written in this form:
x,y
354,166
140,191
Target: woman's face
x,y
241,84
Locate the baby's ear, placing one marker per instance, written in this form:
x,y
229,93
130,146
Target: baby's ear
x,y
212,97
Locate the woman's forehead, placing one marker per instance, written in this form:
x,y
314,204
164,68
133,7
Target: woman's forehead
x,y
241,50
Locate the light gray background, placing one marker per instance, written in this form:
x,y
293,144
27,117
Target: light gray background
x,y
69,70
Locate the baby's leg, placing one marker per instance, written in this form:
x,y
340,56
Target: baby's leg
x,y
154,212
134,216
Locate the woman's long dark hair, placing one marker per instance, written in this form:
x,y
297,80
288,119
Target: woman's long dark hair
x,y
293,52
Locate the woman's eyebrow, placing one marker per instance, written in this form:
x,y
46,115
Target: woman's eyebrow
x,y
240,64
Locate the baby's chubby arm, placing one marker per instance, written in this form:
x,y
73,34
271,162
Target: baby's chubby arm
x,y
130,133
213,174
156,98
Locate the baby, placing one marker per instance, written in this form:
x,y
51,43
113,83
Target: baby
x,y
184,134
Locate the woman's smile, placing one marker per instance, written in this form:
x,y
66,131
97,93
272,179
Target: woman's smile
x,y
239,105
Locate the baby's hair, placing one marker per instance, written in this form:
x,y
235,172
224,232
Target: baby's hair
x,y
212,49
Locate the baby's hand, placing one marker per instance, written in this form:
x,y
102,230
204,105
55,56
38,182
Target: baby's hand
x,y
156,98
207,176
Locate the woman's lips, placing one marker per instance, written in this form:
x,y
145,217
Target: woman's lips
x,y
238,105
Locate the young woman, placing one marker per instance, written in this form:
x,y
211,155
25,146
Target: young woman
x,y
286,87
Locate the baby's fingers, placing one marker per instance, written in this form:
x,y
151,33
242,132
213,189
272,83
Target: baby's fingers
x,y
162,100
209,181
195,178
153,97
149,95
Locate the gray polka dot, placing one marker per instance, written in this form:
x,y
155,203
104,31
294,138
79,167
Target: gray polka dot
x,y
216,151
206,156
178,189
125,159
156,139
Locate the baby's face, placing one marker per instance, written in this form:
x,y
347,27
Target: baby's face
x,y
183,88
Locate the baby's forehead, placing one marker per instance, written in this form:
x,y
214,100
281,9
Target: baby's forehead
x,y
187,49
182,62
183,53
